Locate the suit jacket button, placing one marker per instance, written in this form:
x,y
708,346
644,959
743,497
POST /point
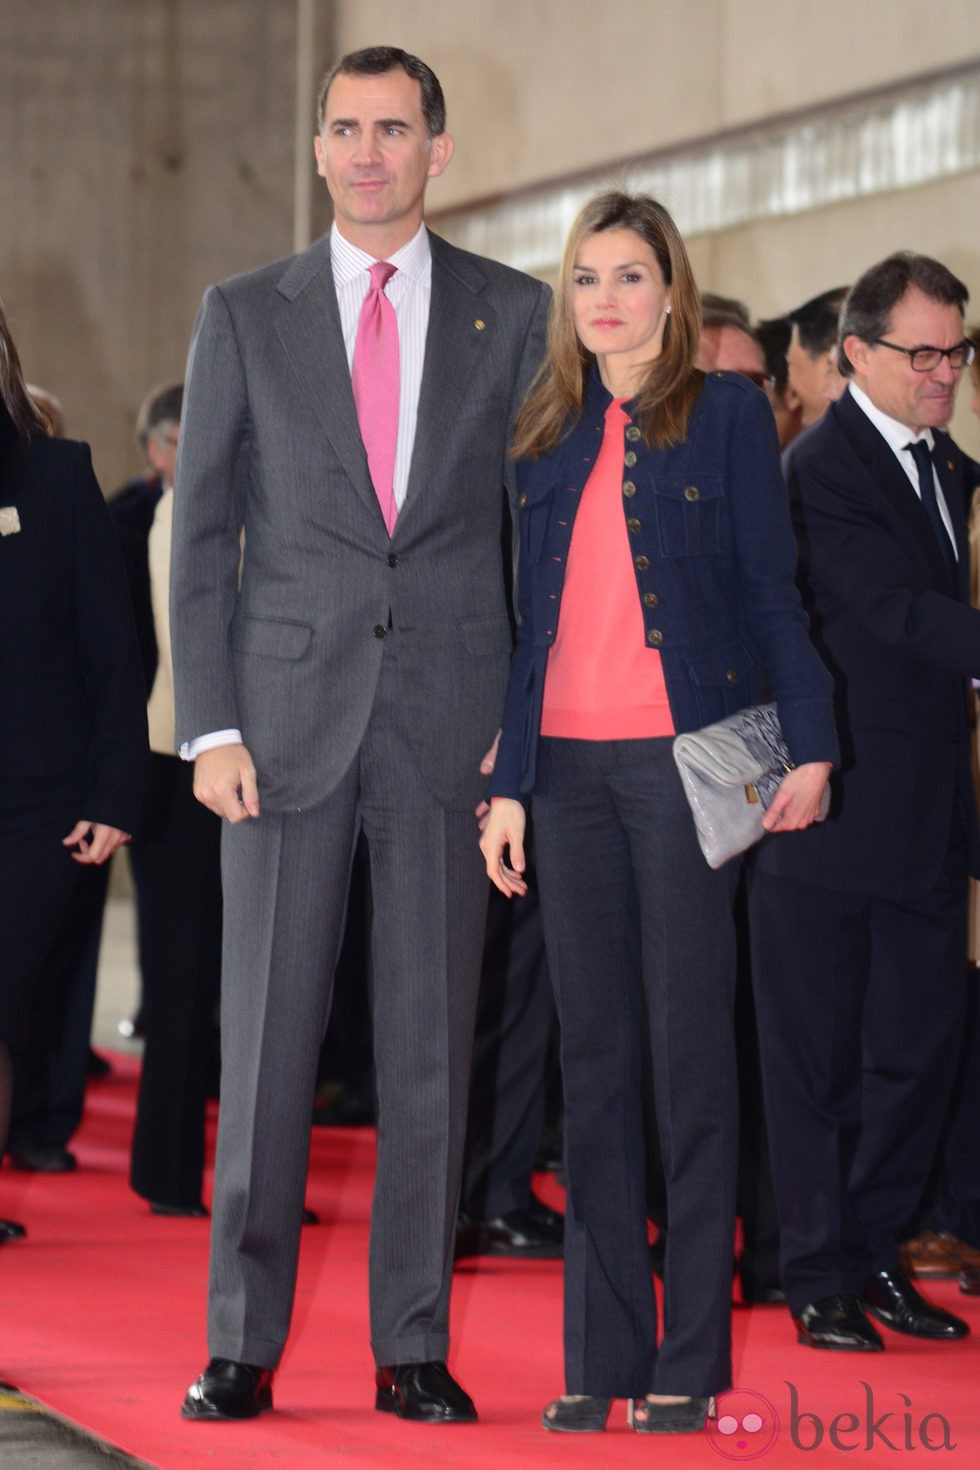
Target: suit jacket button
x,y
629,489
629,459
655,637
642,563
650,599
691,492
731,676
380,631
632,433
634,525
392,559
522,499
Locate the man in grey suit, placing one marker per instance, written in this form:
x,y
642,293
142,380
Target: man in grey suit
x,y
347,678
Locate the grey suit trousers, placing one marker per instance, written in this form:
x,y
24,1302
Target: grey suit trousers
x,y
285,883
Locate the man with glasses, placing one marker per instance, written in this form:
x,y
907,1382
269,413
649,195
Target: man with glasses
x,y
859,926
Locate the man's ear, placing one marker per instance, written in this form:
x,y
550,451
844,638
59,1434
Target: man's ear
x,y
440,152
856,351
318,150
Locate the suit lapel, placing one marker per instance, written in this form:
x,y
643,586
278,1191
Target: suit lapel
x,y
894,484
308,326
949,469
461,324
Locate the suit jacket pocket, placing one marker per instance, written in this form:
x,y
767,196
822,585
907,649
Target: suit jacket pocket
x,y
689,515
724,680
271,637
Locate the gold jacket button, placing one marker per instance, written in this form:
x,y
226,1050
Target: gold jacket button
x,y
522,499
642,563
632,433
691,492
650,599
731,676
634,525
629,489
629,459
655,637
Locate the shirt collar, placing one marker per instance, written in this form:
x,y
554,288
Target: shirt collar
x,y
414,259
897,435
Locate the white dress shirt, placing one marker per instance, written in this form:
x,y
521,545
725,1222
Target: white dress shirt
x,y
897,436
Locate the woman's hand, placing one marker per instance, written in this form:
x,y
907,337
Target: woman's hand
x,y
95,842
504,830
797,800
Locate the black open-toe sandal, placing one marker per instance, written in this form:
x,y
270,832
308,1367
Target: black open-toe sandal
x,y
684,1418
577,1414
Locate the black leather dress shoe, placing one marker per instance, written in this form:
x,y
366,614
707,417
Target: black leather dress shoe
x,y
229,1390
423,1391
11,1230
37,1160
891,1298
535,1233
839,1324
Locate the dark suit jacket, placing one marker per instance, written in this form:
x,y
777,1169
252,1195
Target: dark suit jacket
x,y
270,443
900,646
73,738
714,561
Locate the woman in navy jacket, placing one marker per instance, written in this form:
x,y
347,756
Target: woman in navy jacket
x,y
696,538
73,742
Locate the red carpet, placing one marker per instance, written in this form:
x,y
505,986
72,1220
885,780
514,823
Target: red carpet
x,y
103,1320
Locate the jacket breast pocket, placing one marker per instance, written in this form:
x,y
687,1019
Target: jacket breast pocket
x,y
689,515
535,516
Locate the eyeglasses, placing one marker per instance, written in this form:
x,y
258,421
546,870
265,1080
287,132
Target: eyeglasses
x,y
924,359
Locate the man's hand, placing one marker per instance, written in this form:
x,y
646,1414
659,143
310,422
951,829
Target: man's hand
x,y
797,800
505,829
224,782
95,842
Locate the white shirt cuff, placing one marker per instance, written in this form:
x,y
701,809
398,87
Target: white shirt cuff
x,y
191,749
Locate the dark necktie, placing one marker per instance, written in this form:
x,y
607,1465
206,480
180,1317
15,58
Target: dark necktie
x,y
920,452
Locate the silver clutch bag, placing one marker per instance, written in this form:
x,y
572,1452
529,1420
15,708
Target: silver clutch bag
x,y
730,772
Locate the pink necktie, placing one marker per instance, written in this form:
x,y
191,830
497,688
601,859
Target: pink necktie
x,y
375,382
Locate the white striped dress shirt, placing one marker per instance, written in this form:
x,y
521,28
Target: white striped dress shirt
x,y
409,292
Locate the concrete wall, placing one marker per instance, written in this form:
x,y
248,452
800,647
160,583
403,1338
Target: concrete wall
x,y
148,147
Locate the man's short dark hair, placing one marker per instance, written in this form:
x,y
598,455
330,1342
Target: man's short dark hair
x,y
162,406
724,311
816,321
374,61
773,336
871,300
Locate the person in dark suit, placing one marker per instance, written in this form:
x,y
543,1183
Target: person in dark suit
x,y
73,742
655,582
344,666
859,926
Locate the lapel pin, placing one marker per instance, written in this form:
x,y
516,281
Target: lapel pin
x,y
480,324
9,520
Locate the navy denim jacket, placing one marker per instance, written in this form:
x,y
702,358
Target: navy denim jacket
x,y
714,559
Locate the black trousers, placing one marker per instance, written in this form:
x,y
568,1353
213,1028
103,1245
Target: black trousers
x,y
641,948
860,1003
180,857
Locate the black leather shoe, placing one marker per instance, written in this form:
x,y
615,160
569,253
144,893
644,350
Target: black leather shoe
x,y
424,1391
39,1160
229,1390
10,1230
190,1212
535,1233
891,1298
837,1323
